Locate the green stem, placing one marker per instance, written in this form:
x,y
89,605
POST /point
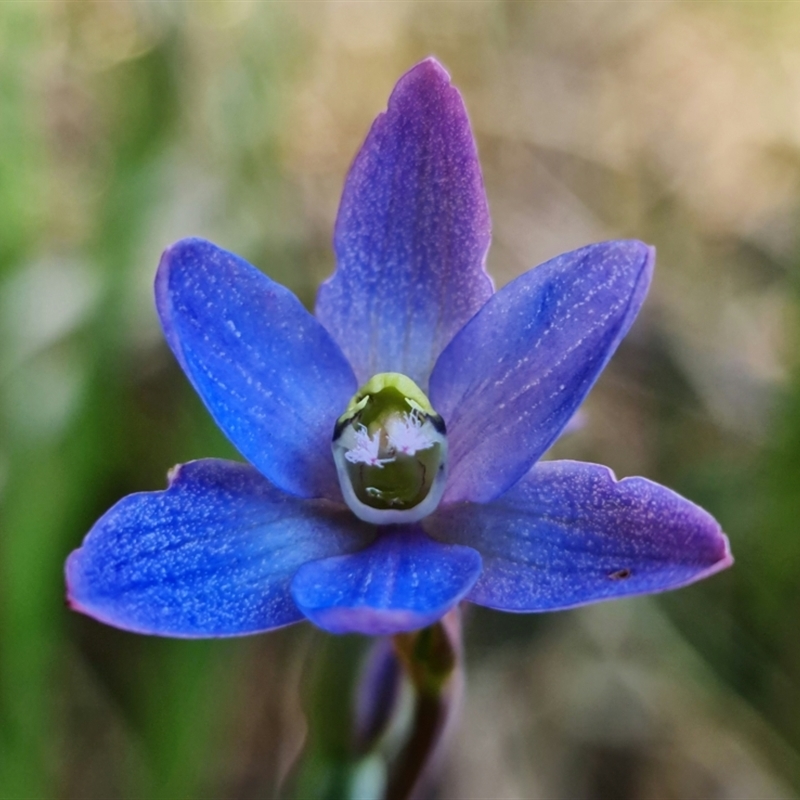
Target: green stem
x,y
430,716
432,660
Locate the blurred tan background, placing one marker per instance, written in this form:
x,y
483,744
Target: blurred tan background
x,y
127,125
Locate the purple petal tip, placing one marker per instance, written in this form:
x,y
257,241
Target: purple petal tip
x,y
426,82
427,69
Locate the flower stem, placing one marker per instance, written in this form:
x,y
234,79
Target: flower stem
x,y
432,661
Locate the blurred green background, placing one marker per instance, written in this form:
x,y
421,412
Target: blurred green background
x,y
127,125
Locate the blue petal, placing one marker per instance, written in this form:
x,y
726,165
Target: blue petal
x,y
212,555
269,373
569,533
412,233
511,380
402,582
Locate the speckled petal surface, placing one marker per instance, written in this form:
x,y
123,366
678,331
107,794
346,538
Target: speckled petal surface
x,y
403,581
569,533
411,235
269,373
212,555
511,380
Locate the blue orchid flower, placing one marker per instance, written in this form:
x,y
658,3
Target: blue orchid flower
x,y
394,438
